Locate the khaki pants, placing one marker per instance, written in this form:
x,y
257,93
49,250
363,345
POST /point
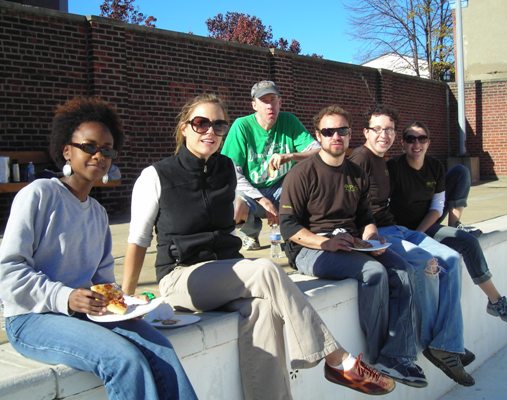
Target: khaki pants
x,y
266,300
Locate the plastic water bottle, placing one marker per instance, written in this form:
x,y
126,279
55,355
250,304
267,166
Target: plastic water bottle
x,y
15,171
30,172
276,242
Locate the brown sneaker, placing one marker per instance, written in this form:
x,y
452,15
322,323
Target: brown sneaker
x,y
451,364
467,358
361,377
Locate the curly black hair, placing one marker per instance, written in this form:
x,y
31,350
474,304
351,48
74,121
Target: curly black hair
x,y
70,115
380,109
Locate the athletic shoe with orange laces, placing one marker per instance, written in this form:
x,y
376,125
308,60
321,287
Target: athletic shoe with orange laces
x,y
361,377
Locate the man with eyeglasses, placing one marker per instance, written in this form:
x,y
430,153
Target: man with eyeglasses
x,y
437,281
325,218
264,146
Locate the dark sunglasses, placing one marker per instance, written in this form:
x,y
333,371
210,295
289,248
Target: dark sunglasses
x,y
91,149
412,139
329,132
201,125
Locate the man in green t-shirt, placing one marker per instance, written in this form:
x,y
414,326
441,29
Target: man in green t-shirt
x,y
264,146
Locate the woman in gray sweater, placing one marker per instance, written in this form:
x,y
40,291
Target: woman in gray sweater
x,y
56,245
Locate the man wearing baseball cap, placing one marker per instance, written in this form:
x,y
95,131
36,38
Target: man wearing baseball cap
x,y
264,146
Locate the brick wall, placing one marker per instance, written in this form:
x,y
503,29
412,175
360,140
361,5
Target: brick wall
x,y
48,57
486,124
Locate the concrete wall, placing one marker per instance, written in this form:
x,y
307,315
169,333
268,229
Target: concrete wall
x,y
484,44
209,352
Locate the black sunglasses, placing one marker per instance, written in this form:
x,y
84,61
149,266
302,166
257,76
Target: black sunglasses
x,y
201,125
412,139
329,132
92,149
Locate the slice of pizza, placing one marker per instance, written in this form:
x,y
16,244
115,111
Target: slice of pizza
x,y
114,296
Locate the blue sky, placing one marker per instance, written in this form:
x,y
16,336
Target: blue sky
x,y
320,26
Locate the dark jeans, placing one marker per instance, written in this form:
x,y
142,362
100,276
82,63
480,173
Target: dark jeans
x,y
457,187
253,225
384,296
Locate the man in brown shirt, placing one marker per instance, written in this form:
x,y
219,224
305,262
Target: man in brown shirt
x,y
324,213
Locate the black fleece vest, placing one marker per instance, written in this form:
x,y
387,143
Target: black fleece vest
x,y
196,213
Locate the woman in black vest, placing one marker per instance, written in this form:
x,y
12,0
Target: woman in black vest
x,y
189,198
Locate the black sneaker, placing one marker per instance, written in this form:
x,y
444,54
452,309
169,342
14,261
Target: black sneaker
x,y
403,371
450,364
467,358
469,229
498,309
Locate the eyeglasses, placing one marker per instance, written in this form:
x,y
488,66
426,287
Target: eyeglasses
x,y
329,132
201,125
378,130
91,149
412,139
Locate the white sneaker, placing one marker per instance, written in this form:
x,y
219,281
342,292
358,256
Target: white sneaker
x,y
249,243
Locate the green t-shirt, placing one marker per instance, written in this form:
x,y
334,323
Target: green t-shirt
x,y
251,147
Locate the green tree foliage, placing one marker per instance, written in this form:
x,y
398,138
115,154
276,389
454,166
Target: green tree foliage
x,y
413,29
124,10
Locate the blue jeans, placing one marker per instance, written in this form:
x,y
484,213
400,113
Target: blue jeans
x,y
384,296
441,320
253,225
133,360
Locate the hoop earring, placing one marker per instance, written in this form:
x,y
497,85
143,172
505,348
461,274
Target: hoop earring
x,y
105,179
67,169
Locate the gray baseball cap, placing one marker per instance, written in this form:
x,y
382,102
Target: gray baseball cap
x,y
264,87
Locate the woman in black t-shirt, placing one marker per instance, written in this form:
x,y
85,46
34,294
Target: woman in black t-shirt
x,y
418,199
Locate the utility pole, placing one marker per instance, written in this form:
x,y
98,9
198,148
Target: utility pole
x,y
460,75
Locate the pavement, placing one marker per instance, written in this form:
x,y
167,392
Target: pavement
x,y
487,209
490,382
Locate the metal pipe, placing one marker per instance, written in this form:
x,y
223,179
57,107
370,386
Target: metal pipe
x,y
460,76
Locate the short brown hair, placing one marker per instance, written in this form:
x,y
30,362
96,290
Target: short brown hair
x,y
380,109
333,109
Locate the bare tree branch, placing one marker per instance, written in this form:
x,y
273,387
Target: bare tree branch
x,y
414,30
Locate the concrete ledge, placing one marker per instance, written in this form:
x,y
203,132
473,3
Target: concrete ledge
x,y
208,349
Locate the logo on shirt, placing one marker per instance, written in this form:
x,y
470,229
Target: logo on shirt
x,y
431,185
286,206
350,188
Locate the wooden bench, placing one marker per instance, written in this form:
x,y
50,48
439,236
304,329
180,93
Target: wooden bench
x,y
41,161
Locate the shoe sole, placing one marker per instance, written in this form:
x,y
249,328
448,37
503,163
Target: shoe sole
x,y
467,361
445,369
495,314
416,383
358,387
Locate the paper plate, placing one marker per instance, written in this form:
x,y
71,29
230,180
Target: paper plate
x,y
376,245
136,308
175,321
